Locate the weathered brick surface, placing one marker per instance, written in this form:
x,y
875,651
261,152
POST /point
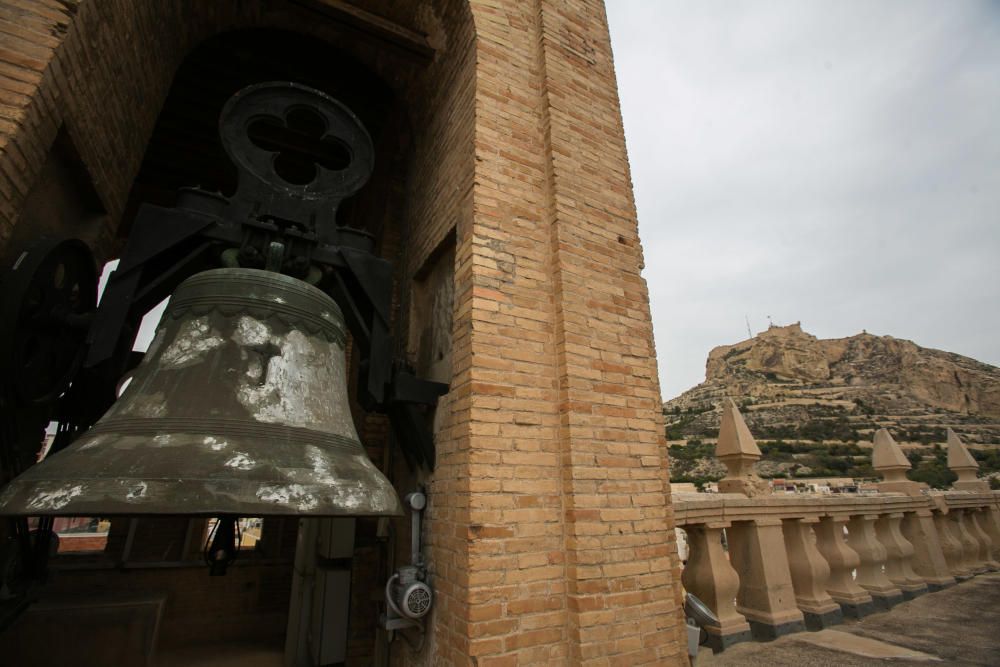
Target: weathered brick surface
x,y
621,582
572,556
549,530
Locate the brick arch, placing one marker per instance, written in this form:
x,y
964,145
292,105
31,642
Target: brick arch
x,y
99,76
97,79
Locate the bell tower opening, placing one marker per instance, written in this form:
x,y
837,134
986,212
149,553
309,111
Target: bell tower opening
x,y
138,157
263,594
185,150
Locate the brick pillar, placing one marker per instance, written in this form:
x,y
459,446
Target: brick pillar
x,y
571,556
621,562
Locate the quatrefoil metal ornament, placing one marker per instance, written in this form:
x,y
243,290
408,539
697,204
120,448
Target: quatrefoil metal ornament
x,y
298,151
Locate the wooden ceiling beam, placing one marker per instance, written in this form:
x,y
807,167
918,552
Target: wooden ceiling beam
x,y
372,24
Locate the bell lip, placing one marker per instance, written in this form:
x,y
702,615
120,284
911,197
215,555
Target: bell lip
x,y
118,507
55,487
22,491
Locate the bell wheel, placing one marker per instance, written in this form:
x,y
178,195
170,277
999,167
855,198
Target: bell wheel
x,y
46,297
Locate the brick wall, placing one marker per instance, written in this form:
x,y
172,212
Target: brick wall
x,y
622,573
439,202
570,552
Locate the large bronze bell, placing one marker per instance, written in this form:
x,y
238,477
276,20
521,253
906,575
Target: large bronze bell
x,y
239,408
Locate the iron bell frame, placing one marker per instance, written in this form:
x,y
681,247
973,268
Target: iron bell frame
x,y
269,223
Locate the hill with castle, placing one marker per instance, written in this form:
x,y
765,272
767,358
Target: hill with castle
x,y
799,393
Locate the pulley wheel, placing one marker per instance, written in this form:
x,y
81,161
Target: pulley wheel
x,y
46,299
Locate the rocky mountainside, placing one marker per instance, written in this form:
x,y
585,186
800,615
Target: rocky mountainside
x,y
791,385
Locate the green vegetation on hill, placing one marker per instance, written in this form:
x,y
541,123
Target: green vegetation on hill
x,y
933,468
679,427
816,430
695,462
924,435
814,459
933,471
837,426
988,460
687,463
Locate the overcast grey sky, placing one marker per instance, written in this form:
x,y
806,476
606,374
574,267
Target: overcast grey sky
x,y
834,162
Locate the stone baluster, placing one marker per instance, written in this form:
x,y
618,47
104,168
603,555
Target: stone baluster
x,y
738,451
810,574
985,551
854,601
928,556
899,555
927,563
970,546
862,538
989,521
951,545
710,577
975,559
766,596
961,463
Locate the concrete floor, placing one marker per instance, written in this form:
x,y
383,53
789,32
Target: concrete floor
x,y
222,655
956,626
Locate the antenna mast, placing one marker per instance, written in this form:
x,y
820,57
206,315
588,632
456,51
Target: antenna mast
x,y
749,333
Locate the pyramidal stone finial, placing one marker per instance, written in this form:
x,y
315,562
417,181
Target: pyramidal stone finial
x,y
961,463
958,456
888,458
734,435
737,449
890,462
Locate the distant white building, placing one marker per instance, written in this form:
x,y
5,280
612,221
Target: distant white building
x,y
820,485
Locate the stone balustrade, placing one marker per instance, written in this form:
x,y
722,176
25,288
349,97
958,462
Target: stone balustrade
x,y
768,565
791,560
